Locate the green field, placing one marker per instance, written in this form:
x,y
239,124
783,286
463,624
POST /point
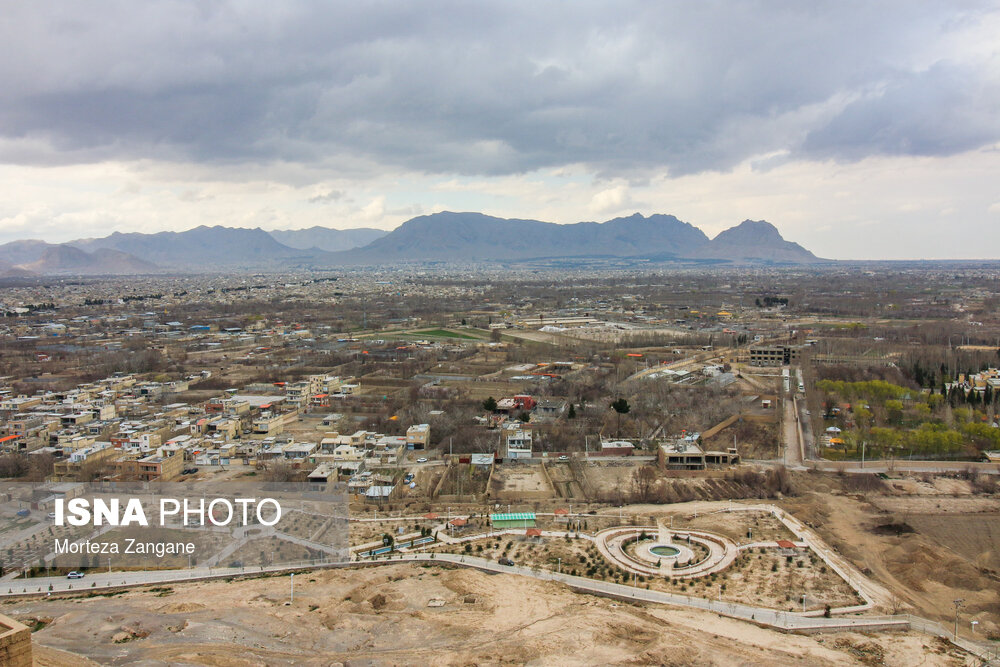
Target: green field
x,y
443,333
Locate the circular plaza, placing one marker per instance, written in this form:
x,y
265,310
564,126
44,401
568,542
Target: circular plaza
x,y
659,551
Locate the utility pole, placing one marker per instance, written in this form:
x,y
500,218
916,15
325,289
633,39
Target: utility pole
x,y
291,586
958,605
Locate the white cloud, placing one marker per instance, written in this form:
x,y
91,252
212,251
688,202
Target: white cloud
x,y
611,200
374,210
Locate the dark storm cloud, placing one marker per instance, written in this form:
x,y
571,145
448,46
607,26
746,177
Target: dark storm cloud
x,y
942,110
496,88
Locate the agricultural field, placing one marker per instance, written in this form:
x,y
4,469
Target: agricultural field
x,y
444,333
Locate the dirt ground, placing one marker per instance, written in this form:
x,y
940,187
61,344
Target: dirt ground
x,y
929,551
741,527
769,579
381,616
518,481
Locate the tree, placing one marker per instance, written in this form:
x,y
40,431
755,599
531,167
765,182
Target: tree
x,y
643,482
490,404
14,465
571,414
894,410
621,407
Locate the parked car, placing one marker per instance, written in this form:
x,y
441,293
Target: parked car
x,y
75,575
564,458
23,512
505,561
422,460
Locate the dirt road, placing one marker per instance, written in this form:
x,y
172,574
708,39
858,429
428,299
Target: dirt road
x,y
792,444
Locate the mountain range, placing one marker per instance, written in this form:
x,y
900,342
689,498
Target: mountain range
x,y
441,237
27,258
326,238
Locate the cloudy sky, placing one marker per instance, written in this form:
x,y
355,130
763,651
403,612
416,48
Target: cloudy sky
x,y
860,129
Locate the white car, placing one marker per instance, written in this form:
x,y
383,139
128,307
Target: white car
x,y
564,458
75,575
422,460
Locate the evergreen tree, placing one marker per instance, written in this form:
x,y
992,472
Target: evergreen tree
x,y
621,407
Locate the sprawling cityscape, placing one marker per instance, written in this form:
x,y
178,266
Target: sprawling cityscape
x,y
790,446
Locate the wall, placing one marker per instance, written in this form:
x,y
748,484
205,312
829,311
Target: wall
x,y
15,643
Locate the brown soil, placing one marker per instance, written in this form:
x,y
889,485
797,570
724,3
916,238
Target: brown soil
x,y
380,616
952,552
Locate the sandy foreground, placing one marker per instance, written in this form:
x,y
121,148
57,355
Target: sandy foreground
x,y
381,616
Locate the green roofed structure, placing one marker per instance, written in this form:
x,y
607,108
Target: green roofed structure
x,y
513,520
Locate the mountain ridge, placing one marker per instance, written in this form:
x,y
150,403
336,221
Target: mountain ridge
x,y
480,237
444,237
470,236
326,238
34,257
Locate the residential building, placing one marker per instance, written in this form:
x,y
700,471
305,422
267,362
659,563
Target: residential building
x,y
418,436
150,468
517,442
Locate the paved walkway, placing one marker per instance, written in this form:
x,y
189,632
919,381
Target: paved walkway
x,y
722,552
781,620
